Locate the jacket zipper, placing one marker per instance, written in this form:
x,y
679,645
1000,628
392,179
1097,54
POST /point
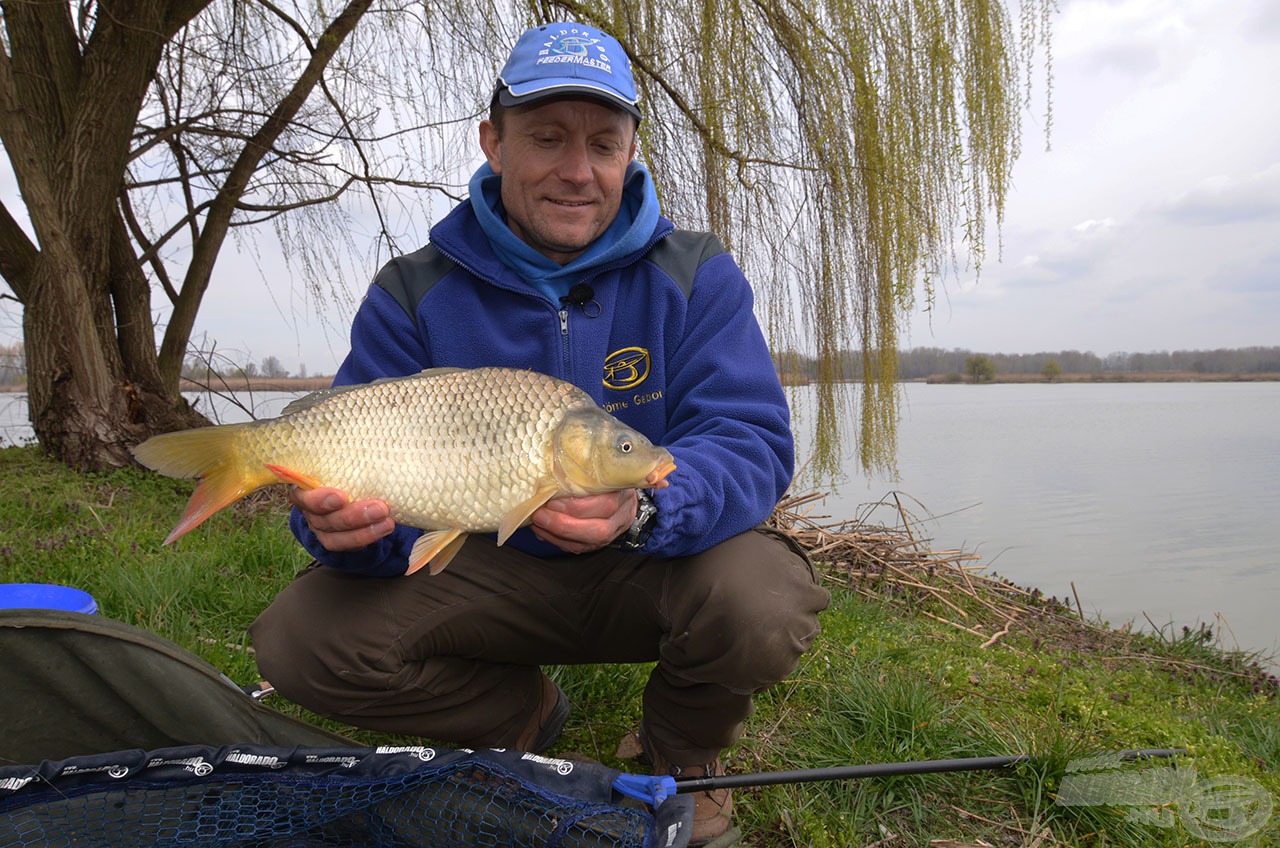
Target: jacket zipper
x,y
564,338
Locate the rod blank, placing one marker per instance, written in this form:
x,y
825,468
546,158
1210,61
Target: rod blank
x,y
772,778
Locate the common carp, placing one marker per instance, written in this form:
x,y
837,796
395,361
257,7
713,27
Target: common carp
x,y
451,451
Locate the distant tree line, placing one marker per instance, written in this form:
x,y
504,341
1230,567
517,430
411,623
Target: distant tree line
x,y
915,364
922,362
13,365
202,369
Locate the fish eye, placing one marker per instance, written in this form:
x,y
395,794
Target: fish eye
x,y
624,445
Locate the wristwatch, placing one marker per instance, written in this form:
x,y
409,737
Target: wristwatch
x,y
640,530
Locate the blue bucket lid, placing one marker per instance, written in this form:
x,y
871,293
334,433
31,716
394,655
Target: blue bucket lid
x,y
46,596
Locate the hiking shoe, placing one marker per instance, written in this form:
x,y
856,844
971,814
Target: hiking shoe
x,y
547,721
712,808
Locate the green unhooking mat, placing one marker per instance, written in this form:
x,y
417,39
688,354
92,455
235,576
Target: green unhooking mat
x,y
74,684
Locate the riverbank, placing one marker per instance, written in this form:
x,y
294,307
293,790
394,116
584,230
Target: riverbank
x,y
1113,377
230,385
259,384
311,384
792,379
922,656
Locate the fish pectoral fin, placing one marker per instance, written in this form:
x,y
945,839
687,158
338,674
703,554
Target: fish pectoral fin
x,y
437,547
516,518
295,478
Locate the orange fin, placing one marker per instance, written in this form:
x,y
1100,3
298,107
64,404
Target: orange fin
x,y
296,478
219,489
210,454
518,517
436,547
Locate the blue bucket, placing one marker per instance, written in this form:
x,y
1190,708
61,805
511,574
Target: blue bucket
x,y
46,596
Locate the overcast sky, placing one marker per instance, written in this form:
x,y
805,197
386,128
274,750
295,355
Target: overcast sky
x,y
1152,224
1154,221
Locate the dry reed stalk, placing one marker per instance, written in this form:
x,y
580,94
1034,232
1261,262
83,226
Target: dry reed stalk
x,y
896,564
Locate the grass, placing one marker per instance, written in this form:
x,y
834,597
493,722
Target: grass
x,y
885,682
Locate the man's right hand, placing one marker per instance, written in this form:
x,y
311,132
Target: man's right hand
x,y
339,523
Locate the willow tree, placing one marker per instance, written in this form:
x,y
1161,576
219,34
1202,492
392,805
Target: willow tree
x,y
843,149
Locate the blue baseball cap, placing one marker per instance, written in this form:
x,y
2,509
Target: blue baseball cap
x,y
559,59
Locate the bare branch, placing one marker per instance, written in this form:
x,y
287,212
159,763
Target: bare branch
x,y
17,253
219,217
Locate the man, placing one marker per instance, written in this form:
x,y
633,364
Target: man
x,y
560,262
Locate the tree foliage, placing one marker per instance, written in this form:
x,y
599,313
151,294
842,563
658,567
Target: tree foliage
x,y
848,152
980,368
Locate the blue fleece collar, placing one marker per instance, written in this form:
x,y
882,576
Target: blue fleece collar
x,y
630,231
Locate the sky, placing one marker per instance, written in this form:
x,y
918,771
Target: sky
x,y
1152,223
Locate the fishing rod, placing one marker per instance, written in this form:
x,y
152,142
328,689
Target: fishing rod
x,y
656,789
772,778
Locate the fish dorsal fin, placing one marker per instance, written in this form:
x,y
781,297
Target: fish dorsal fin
x,y
435,372
308,401
517,517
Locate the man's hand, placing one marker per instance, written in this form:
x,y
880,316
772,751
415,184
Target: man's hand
x,y
588,523
339,523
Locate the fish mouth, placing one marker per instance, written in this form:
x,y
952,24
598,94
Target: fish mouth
x,y
657,478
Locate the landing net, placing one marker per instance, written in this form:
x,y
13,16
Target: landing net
x,y
272,797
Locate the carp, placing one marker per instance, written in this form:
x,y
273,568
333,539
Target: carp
x,y
452,451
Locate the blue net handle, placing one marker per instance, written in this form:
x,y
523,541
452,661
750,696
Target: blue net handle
x,y
652,789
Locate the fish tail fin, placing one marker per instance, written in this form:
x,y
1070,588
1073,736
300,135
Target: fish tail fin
x,y
208,453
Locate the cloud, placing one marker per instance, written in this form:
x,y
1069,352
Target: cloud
x,y
1228,200
1062,257
1257,277
1134,37
1092,228
1263,21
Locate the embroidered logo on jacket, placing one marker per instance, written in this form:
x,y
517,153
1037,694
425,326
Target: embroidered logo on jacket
x,y
626,368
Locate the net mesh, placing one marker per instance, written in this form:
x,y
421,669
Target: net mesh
x,y
179,798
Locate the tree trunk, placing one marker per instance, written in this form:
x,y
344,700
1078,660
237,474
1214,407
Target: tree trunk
x,y
88,404
68,111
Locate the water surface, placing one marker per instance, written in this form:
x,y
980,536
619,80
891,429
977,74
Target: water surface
x,y
1159,500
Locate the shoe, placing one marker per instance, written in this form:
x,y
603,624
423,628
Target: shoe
x,y
712,808
547,721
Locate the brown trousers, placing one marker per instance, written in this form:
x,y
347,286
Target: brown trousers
x,y
456,657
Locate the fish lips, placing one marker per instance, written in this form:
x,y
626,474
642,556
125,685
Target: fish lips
x,y
657,478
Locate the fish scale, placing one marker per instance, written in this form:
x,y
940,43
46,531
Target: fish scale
x,y
451,451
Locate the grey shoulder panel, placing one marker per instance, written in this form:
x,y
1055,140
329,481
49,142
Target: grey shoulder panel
x,y
682,253
408,278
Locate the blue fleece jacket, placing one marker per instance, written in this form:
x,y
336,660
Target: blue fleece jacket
x,y
689,370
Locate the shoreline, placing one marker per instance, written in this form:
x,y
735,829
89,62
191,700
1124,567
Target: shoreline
x,y
254,384
1091,377
311,384
1108,377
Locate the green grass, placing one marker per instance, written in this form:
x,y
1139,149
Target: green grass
x,y
883,683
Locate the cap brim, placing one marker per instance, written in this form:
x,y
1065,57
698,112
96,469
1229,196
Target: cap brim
x,y
507,98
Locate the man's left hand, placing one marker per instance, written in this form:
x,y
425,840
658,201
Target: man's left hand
x,y
585,524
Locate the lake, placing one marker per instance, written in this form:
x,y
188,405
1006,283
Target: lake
x,y
1158,500
1155,498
